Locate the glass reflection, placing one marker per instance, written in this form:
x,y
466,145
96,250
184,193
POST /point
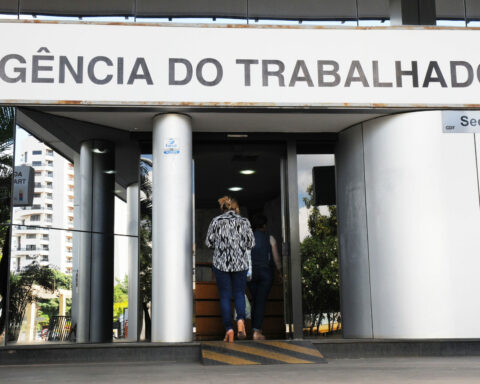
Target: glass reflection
x,y
319,251
40,291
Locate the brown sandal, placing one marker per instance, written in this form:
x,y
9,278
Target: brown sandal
x,y
241,334
229,336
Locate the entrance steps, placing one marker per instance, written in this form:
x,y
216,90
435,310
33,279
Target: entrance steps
x,y
260,353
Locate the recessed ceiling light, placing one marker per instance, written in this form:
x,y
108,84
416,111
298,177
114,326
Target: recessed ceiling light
x,y
235,189
247,171
109,171
100,150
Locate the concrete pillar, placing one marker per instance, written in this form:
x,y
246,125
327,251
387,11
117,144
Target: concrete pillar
x,y
62,304
295,257
172,288
133,262
413,12
76,237
84,177
31,313
95,272
101,315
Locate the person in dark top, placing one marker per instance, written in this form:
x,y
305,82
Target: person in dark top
x,y
231,237
265,258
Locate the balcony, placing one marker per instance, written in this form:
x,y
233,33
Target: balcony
x,y
30,253
41,187
34,209
28,229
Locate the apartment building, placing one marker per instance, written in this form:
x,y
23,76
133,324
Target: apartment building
x,y
43,230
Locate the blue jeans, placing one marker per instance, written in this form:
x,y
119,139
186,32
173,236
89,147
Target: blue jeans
x,y
259,287
226,283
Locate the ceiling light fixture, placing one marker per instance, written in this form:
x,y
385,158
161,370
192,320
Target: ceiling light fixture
x,y
247,171
100,150
235,189
109,171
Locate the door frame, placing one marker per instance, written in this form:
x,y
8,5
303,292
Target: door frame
x,y
293,144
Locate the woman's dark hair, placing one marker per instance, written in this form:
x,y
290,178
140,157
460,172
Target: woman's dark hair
x,y
259,221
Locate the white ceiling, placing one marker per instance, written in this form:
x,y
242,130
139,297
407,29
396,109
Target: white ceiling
x,y
298,121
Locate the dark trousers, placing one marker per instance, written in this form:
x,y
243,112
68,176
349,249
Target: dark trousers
x,y
228,283
259,287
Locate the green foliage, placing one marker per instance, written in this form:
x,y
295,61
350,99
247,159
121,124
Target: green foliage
x,y
320,278
61,280
22,292
145,237
7,126
120,297
47,308
7,123
145,270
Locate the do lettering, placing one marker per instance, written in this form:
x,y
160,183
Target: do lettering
x,y
208,72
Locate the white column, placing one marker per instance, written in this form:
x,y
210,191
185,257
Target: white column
x,y
62,304
76,236
31,314
85,175
132,231
172,291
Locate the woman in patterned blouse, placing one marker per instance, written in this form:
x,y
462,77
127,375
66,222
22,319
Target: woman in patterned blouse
x,y
231,236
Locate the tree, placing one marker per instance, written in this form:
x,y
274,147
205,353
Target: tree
x,y
320,277
49,307
7,124
145,270
120,297
22,292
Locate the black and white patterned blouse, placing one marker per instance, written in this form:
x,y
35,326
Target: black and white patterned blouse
x,y
231,236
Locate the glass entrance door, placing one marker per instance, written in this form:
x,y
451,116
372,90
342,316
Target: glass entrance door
x,y
251,173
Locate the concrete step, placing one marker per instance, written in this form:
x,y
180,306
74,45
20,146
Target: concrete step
x,y
260,353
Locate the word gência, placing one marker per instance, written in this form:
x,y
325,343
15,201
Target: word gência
x,y
47,68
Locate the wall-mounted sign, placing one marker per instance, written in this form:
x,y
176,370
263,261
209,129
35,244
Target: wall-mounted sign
x,y
171,146
461,121
324,185
237,66
23,183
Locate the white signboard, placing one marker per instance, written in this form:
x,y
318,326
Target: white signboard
x,y
461,121
135,64
23,183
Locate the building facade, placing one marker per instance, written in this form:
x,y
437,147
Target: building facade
x,y
218,99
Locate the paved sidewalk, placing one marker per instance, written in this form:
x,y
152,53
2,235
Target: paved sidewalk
x,y
371,371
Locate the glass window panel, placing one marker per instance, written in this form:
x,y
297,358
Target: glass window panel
x,y
373,13
44,237
7,127
40,285
450,13
319,253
